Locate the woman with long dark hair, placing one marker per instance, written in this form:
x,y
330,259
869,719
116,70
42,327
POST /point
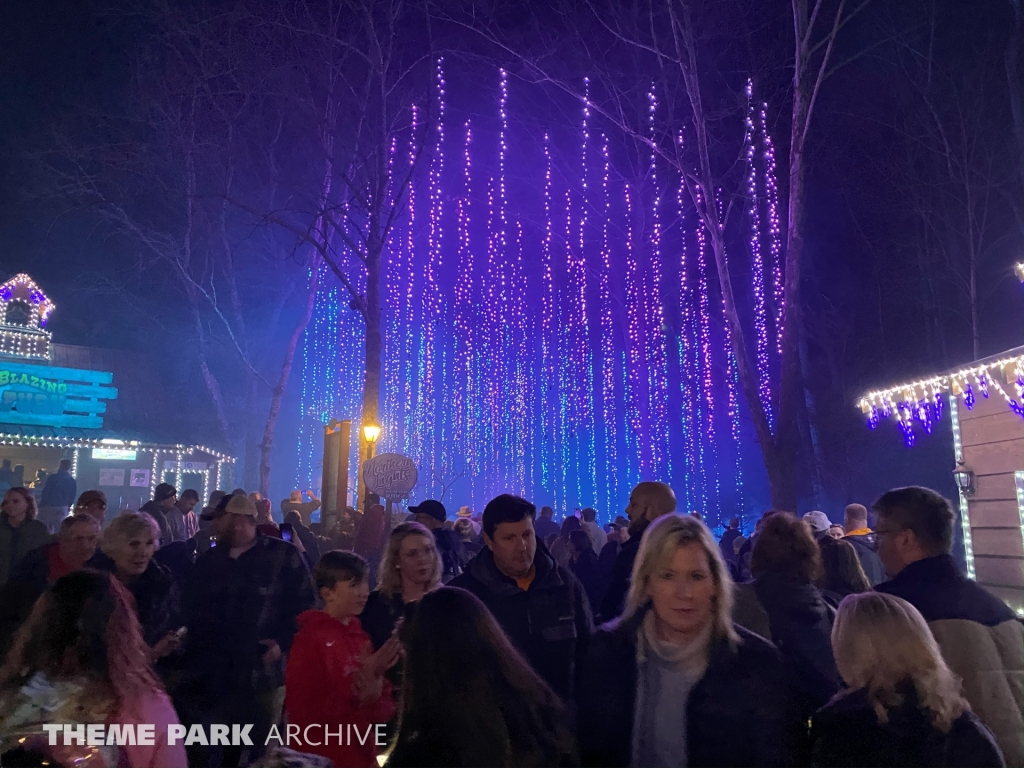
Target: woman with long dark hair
x,y
470,698
81,658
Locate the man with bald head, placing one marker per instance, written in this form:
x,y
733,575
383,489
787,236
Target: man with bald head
x,y
647,502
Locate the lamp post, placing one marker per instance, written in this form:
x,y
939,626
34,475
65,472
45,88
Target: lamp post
x,y
371,432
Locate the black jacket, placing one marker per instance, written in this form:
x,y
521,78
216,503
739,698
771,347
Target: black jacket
x,y
29,580
588,572
740,713
866,546
157,600
550,623
846,732
231,604
801,628
614,601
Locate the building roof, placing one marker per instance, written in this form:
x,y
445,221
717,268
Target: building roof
x,y
921,400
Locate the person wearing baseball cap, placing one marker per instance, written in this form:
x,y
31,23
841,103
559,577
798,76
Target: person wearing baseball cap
x,y
240,602
92,503
431,515
819,523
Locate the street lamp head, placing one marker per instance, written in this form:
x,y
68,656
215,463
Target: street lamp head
x,y
370,433
1018,269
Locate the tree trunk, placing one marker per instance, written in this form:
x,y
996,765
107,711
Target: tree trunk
x,y
374,343
282,382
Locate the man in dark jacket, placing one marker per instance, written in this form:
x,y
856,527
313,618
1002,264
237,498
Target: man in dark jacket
x,y
725,543
544,525
239,606
980,638
647,503
431,515
864,542
540,605
58,495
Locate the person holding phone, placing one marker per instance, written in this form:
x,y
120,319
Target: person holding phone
x,y
334,677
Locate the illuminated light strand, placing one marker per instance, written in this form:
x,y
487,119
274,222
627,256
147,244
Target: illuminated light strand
x,y
658,371
774,231
607,343
585,448
431,296
464,427
686,348
391,420
702,336
635,312
410,436
522,378
551,480
757,265
965,512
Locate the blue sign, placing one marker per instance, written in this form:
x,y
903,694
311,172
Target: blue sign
x,y
41,395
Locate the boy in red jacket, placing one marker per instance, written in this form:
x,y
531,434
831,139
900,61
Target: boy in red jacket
x,y
335,690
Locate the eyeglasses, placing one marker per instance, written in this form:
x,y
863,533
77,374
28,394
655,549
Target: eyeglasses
x,y
880,531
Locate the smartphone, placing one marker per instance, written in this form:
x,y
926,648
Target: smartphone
x,y
287,532
181,632
577,512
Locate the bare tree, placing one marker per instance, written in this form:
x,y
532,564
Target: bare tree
x,y
668,40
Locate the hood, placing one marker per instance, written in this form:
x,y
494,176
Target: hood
x,y
864,541
483,569
790,600
320,622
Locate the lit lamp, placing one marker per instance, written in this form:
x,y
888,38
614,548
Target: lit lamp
x,y
1018,270
371,432
964,479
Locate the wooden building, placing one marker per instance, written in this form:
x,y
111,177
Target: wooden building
x,y
109,411
985,403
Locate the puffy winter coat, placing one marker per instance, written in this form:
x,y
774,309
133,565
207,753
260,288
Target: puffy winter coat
x,y
740,713
981,641
846,732
319,690
549,623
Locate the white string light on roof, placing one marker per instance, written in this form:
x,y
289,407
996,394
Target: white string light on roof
x,y
923,400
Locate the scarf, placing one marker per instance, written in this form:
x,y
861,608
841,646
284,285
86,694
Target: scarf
x,y
666,674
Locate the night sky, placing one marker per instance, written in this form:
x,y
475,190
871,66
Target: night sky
x,y
882,297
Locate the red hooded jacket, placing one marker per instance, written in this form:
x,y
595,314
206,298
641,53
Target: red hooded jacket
x,y
324,657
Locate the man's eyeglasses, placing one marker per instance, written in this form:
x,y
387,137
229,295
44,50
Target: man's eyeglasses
x,y
880,531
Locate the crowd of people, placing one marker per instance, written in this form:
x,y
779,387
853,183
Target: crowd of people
x,y
504,638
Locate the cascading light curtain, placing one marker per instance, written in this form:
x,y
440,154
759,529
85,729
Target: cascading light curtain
x,y
552,327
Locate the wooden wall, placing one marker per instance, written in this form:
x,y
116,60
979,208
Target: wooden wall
x,y
993,445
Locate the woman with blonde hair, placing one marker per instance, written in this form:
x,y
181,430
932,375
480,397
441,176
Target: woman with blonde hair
x,y
128,545
674,682
410,567
903,706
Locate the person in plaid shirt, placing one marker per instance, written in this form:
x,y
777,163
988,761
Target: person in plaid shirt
x,y
240,606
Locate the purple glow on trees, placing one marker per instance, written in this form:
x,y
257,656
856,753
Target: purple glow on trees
x,y
772,189
757,265
530,328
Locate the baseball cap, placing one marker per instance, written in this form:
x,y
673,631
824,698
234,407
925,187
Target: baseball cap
x,y
91,497
430,507
818,521
240,505
164,491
